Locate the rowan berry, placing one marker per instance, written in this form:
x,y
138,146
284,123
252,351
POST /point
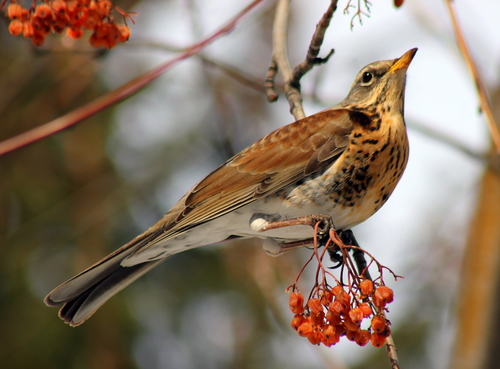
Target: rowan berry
x,y
377,340
363,337
350,325
14,11
333,317
379,323
297,320
356,315
315,306
43,11
16,27
305,329
296,302
366,287
367,310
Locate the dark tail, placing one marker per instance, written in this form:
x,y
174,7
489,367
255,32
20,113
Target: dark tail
x,y
84,294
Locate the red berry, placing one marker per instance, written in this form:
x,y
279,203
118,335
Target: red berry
x,y
296,302
14,11
297,320
305,329
367,310
363,337
366,287
356,315
378,324
377,340
16,27
315,306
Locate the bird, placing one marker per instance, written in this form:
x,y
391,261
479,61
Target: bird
x,y
343,162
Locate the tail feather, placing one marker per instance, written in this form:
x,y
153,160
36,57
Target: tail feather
x,y
80,308
82,295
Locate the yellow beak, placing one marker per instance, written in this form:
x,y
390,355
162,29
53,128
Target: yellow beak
x,y
404,61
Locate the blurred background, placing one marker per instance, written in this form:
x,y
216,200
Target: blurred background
x,y
69,200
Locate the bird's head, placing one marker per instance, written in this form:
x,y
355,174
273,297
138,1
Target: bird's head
x,y
381,84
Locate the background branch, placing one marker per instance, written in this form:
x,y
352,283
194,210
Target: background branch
x,y
481,89
117,95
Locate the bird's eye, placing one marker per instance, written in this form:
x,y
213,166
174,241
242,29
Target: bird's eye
x,y
366,78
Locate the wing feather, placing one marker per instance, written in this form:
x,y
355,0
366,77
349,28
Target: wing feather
x,y
279,159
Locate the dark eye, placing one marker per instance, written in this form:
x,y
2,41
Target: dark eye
x,y
366,78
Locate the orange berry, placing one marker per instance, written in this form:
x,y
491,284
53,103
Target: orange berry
x,y
336,307
25,15
326,297
43,11
336,290
333,318
356,315
104,8
28,30
363,337
305,329
91,20
349,324
315,306
315,337
14,11
296,302
367,310
16,27
40,25
74,33
59,7
124,33
352,335
344,298
328,331
377,340
384,295
98,42
340,330
378,324
366,287
297,320
318,319
332,340
37,39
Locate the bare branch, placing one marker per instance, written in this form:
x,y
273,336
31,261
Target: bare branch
x,y
313,51
481,89
280,58
117,95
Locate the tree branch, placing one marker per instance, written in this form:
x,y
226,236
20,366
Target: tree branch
x,y
481,89
312,53
121,93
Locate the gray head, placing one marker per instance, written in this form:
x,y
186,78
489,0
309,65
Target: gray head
x,y
380,84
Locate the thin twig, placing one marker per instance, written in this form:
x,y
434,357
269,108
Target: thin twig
x,y
281,59
314,47
271,93
442,137
481,89
117,95
360,260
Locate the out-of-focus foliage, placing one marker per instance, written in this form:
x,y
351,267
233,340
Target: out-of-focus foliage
x,y
71,199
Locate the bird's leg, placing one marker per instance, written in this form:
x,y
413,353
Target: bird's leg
x,y
308,220
348,238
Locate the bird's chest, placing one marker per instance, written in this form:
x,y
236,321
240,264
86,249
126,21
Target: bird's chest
x,y
356,185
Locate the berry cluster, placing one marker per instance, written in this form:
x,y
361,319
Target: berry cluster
x,y
74,16
334,312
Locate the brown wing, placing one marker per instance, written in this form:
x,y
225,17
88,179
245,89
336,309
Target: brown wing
x,y
277,160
